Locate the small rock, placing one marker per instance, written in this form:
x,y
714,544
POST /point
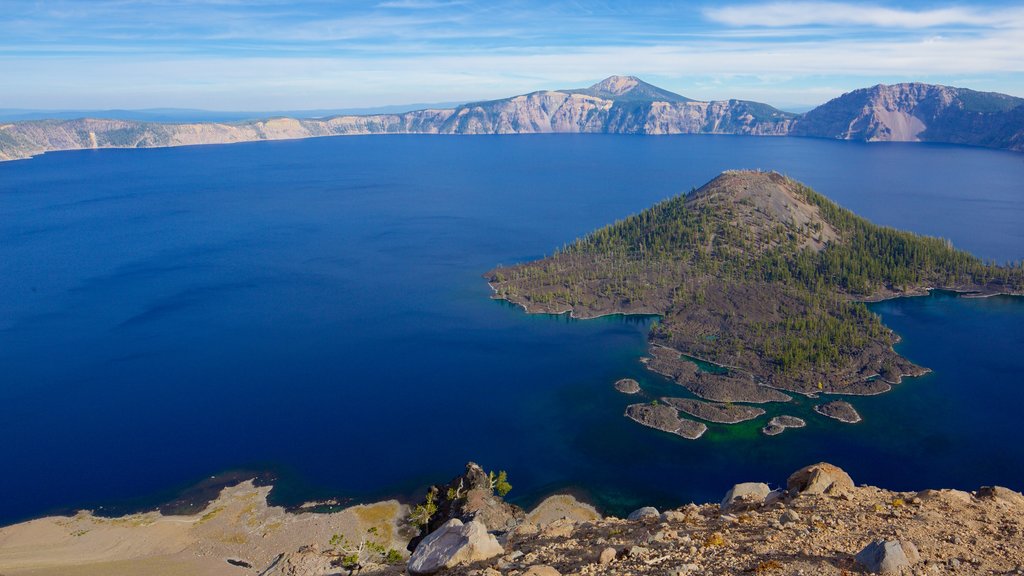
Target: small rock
x,y
645,513
526,529
638,552
789,516
887,556
607,556
673,516
541,570
664,536
558,529
745,496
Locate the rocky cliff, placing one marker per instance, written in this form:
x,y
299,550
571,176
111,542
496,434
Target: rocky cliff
x,y
619,104
919,112
616,105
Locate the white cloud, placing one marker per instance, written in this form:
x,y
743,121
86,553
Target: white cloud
x,y
786,14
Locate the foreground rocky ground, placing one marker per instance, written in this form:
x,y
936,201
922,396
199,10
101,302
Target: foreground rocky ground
x,y
819,523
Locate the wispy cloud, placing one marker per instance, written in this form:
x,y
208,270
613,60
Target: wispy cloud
x,y
786,14
420,4
291,54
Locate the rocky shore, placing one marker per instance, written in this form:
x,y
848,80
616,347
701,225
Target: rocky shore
x,y
816,522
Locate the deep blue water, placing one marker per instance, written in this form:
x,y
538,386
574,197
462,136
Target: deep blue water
x,y
316,308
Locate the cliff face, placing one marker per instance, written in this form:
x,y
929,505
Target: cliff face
x,y
616,105
619,104
919,112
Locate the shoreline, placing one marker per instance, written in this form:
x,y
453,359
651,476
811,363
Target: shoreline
x,y
240,534
959,293
248,124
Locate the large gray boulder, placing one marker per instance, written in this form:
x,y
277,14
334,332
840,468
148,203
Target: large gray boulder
x,y
645,513
887,556
453,544
745,496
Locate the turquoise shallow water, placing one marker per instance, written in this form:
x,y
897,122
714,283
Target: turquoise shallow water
x,y
316,309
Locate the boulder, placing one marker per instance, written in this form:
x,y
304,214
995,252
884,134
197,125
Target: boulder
x,y
607,556
645,513
673,516
745,496
820,478
887,556
789,516
453,544
1002,494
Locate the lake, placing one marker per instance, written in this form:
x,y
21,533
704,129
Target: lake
x,y
316,309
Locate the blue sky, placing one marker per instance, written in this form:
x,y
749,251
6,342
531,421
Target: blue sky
x,y
270,54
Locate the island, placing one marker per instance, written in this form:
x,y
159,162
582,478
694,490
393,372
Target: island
x,y
839,410
627,386
719,412
666,419
778,425
760,276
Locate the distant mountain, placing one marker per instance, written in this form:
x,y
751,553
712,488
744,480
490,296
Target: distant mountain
x,y
629,89
919,112
616,105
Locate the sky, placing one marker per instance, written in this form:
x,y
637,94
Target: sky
x,y
295,54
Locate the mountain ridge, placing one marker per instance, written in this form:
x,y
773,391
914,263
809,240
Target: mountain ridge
x,y
616,105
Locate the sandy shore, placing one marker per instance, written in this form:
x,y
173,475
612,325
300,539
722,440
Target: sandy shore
x,y
239,525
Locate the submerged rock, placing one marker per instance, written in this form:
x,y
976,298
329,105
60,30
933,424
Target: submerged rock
x,y
720,412
666,419
839,410
627,386
778,425
453,544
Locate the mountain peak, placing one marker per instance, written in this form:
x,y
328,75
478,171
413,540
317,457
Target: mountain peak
x,y
631,89
616,85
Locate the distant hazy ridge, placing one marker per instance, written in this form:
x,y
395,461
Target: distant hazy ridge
x,y
616,105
